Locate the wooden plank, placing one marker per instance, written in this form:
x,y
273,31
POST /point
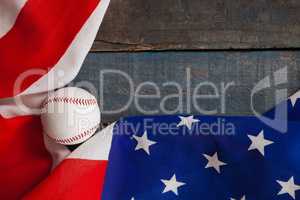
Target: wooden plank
x,y
135,25
245,69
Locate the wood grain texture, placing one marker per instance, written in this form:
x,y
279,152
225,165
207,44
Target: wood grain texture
x,y
245,69
135,25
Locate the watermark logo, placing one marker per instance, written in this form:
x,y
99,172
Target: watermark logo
x,y
279,122
186,95
218,126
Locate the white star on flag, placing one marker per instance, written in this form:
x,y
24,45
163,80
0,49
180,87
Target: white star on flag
x,y
187,121
243,198
294,99
259,142
213,161
143,142
132,198
288,187
172,185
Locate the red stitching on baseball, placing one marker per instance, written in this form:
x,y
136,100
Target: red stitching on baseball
x,y
70,100
76,137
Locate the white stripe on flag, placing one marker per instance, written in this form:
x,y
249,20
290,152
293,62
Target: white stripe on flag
x,y
96,148
71,62
294,97
58,151
69,65
9,11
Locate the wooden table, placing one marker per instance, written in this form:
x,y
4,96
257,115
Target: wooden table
x,y
218,41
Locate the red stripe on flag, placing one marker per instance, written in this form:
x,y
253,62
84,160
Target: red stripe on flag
x,y
42,33
72,179
24,161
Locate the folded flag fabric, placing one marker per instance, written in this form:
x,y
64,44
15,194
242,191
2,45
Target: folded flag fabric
x,y
50,37
154,157
177,157
24,159
172,157
42,47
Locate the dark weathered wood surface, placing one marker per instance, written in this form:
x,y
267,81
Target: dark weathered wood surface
x,y
133,25
245,69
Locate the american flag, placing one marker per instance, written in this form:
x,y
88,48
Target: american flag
x,y
46,42
179,157
136,158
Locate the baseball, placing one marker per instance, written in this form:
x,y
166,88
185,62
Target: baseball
x,y
70,115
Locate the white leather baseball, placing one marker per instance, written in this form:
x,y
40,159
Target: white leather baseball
x,y
70,115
